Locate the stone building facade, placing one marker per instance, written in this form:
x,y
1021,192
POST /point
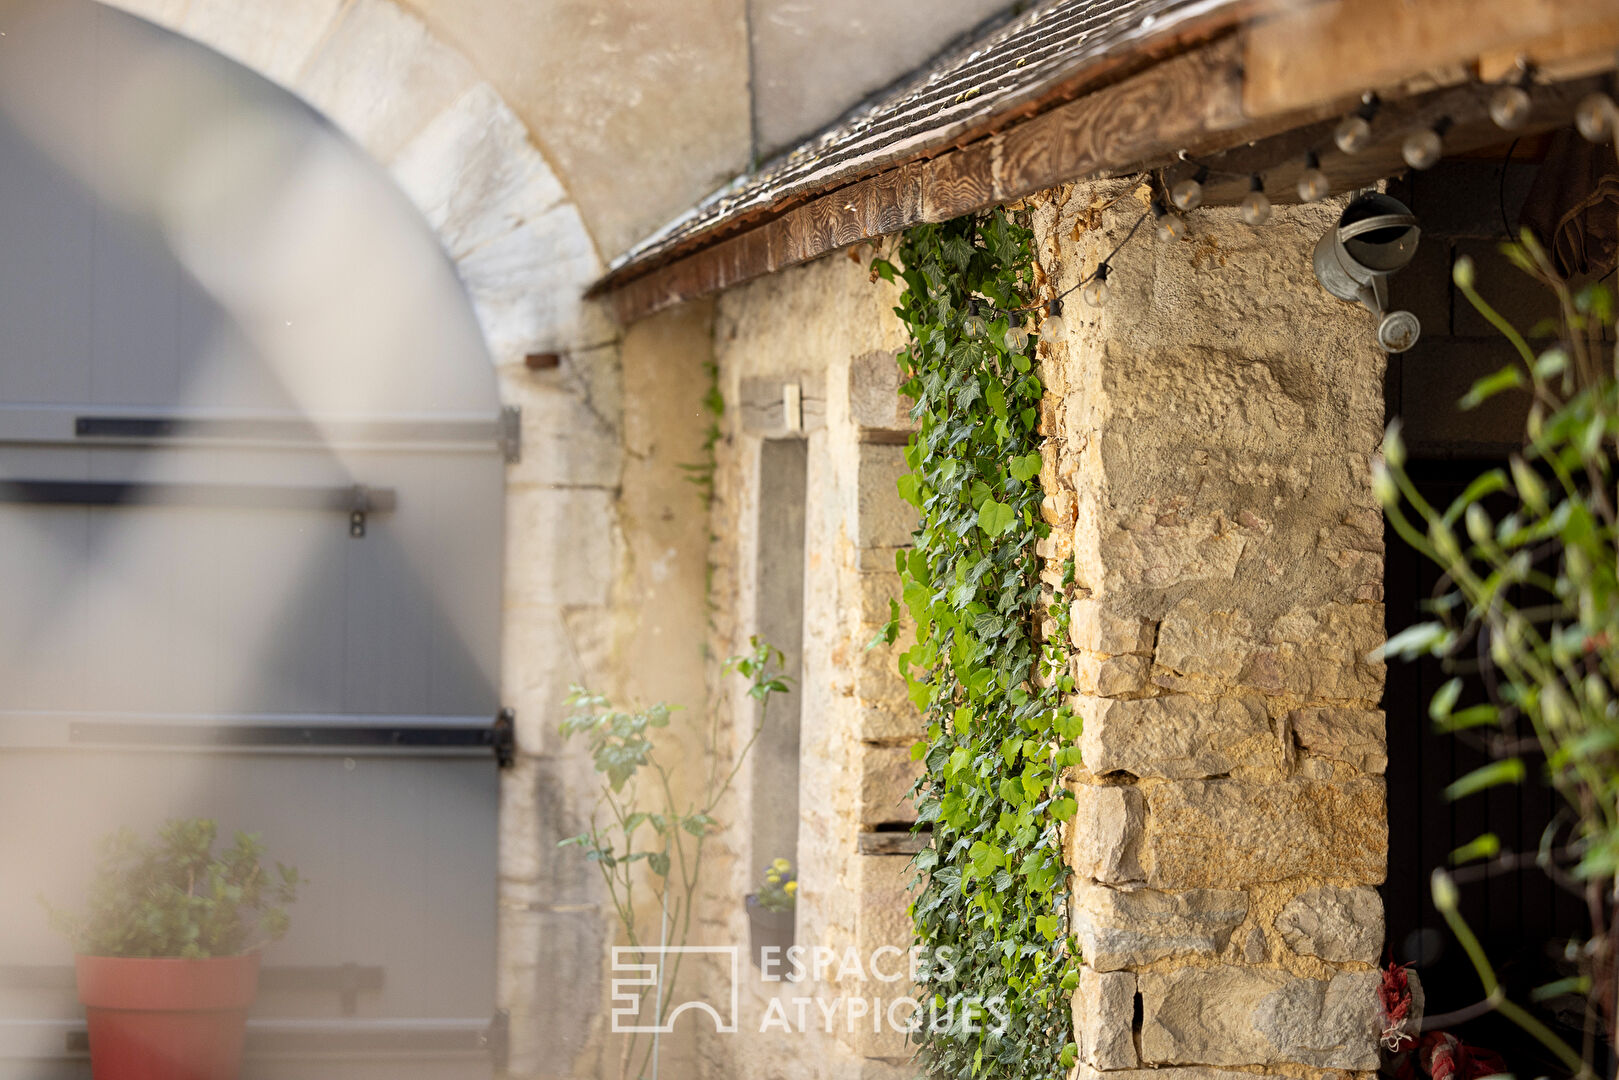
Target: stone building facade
x,y
1210,437
1209,440
1209,470
853,768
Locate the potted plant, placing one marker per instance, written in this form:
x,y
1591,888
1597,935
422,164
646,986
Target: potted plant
x,y
167,950
770,913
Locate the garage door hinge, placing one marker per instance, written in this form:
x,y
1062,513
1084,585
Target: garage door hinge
x,y
497,1039
503,738
511,433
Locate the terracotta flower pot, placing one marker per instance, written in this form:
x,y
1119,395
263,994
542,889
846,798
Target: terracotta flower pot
x,y
157,1018
767,928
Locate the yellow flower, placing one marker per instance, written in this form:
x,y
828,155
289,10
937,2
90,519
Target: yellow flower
x,y
781,866
790,888
774,879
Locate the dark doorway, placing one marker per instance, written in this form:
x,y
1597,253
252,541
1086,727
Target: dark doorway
x,y
1521,917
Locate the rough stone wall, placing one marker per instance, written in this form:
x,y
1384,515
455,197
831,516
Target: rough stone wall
x,y
827,327
604,588
1210,436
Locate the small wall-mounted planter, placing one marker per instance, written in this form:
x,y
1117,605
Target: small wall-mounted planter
x,y
157,1018
768,929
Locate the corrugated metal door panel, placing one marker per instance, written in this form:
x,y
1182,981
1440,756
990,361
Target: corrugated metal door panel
x,y
405,621
192,649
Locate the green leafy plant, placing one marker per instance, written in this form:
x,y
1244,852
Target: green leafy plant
x,y
648,832
1529,599
993,884
778,891
173,896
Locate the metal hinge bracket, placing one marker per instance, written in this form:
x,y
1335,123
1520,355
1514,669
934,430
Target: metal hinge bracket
x,y
511,433
503,738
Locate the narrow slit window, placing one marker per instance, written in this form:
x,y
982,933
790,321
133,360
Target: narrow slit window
x,y
779,619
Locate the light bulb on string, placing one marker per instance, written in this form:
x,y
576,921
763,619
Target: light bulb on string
x,y
1016,337
973,324
1095,292
1313,183
1255,206
1596,116
1170,225
1509,107
1422,149
1187,194
1352,133
1053,327
1355,130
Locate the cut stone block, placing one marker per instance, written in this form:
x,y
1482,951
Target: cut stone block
x,y
1104,1017
1092,627
1334,923
1178,737
1123,928
886,776
885,519
1259,1016
875,402
1317,654
1111,676
1353,736
1205,833
1104,836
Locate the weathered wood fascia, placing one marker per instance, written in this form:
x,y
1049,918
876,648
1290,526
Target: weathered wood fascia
x,y
1148,47
1181,102
1248,87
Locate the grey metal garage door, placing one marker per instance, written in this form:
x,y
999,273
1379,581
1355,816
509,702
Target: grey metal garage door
x,y
251,478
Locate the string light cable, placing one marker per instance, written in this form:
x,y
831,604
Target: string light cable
x,y
1509,105
980,312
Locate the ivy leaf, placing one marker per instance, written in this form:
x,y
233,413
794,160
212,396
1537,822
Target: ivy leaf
x,y
1026,467
994,518
910,489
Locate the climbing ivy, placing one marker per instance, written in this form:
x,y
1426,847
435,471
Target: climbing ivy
x,y
991,911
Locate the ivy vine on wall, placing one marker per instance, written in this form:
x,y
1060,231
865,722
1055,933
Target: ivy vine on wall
x,y
991,913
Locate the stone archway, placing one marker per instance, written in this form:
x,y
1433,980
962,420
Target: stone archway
x,y
418,106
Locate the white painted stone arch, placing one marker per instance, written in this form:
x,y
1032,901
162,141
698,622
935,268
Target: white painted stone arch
x,y
465,159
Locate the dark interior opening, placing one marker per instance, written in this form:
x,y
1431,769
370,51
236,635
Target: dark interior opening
x,y
1520,915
